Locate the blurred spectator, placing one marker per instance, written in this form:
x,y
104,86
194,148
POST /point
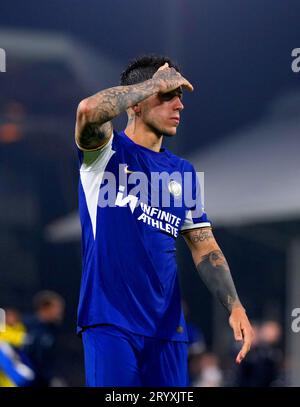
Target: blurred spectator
x,y
15,331
196,345
12,115
205,370
43,329
262,367
196,338
15,369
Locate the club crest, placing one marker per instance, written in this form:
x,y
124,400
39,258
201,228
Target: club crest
x,y
175,188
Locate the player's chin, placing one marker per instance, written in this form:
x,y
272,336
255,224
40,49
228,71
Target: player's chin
x,y
170,131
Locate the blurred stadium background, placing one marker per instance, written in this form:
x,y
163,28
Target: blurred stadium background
x,y
241,126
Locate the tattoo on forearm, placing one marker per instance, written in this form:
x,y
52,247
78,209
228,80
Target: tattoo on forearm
x,y
214,271
201,235
109,103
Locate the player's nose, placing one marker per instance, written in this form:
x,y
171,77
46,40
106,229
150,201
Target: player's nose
x,y
178,105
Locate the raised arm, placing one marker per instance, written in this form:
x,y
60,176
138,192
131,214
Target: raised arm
x,y
214,271
94,114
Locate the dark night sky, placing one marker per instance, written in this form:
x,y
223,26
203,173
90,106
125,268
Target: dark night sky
x,y
236,53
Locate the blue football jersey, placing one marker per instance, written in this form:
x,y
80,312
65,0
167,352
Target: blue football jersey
x,y
132,208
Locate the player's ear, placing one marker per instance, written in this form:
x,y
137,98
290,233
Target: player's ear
x,y
137,109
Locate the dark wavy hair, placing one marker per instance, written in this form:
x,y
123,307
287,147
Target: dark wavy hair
x,y
143,68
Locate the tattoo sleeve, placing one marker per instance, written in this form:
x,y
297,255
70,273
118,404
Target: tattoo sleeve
x,y
214,271
109,103
104,106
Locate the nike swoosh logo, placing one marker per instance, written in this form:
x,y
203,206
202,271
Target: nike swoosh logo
x,y
127,171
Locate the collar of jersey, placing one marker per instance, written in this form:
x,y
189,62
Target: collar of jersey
x,y
147,150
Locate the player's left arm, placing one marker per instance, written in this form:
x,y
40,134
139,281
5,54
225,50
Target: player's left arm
x,y
214,271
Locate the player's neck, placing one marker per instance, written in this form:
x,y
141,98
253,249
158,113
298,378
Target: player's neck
x,y
142,135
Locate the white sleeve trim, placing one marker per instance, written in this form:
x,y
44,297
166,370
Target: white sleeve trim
x,y
93,160
89,150
91,178
195,226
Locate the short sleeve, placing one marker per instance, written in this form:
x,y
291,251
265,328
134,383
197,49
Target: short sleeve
x,y
195,215
97,159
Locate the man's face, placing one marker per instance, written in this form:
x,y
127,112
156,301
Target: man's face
x,y
53,313
161,112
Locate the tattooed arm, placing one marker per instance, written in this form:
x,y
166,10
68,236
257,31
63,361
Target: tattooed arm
x,y
214,271
212,266
94,114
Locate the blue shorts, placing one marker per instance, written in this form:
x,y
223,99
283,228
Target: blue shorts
x,y
116,357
